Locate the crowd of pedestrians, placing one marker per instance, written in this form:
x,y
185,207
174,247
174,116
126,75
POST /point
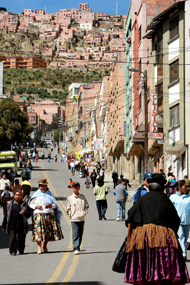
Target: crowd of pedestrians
x,y
158,222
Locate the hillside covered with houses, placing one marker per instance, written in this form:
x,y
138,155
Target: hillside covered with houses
x,y
70,39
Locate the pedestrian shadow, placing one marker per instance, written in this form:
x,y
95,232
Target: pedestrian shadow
x,y
60,198
60,283
39,169
4,239
97,252
109,220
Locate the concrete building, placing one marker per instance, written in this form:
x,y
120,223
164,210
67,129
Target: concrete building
x,y
142,15
23,62
169,85
116,115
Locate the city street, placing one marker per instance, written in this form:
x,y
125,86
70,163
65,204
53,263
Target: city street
x,y
101,240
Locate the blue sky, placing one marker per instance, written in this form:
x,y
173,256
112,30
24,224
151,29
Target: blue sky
x,y
106,6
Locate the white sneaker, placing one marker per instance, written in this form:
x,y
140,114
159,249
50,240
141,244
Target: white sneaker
x,y
117,219
76,252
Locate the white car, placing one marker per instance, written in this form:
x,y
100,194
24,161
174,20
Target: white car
x,y
48,141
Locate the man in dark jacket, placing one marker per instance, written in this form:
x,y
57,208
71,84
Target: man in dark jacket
x,y
15,223
115,178
143,189
93,177
24,174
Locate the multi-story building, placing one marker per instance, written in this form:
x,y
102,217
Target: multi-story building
x,y
169,86
116,113
142,14
23,62
132,160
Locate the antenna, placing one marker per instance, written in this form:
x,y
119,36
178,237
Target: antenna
x,y
116,7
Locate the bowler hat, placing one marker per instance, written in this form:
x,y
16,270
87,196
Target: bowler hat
x,y
43,181
157,178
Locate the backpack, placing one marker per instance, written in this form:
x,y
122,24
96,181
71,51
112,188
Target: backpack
x,y
138,194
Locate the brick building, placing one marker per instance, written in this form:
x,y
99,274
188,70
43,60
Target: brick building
x,y
23,62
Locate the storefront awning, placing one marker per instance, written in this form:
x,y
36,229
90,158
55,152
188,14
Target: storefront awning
x,y
178,149
136,149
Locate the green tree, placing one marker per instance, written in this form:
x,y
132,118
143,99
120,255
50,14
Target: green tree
x,y
14,125
57,136
20,90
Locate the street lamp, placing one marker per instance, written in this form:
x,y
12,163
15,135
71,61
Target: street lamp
x,y
132,69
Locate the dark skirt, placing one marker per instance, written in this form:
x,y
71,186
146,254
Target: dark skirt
x,y
46,228
156,264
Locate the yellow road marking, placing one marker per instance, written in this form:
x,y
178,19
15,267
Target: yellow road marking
x,y
63,261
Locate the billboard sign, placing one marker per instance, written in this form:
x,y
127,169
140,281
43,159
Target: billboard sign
x,y
156,136
99,144
154,113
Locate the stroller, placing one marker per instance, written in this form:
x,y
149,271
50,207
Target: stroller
x,y
81,174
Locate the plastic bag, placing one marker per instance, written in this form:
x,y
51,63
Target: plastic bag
x,y
120,260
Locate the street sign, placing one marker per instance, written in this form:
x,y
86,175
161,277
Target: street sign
x,y
160,141
156,136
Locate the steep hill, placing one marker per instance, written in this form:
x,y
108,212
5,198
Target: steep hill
x,y
47,83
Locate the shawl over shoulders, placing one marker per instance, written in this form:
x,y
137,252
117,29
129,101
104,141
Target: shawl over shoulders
x,y
154,208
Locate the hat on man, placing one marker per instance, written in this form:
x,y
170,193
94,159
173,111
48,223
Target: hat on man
x,y
157,178
43,181
75,184
147,175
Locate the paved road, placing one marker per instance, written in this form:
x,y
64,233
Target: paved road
x,y
101,241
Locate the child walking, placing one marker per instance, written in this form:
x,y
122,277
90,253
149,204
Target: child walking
x,y
77,208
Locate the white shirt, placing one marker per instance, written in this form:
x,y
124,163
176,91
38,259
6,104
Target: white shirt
x,y
72,164
4,183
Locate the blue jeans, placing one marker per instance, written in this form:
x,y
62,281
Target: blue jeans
x,y
77,232
120,206
101,207
183,233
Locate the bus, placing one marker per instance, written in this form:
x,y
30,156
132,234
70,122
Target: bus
x,y
8,160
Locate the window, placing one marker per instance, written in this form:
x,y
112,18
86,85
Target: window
x,y
32,118
174,116
159,91
140,34
147,54
174,71
183,161
140,102
174,27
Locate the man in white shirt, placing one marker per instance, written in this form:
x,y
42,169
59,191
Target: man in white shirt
x,y
103,161
72,165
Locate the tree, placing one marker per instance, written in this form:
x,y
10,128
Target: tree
x,y
57,136
20,90
14,125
